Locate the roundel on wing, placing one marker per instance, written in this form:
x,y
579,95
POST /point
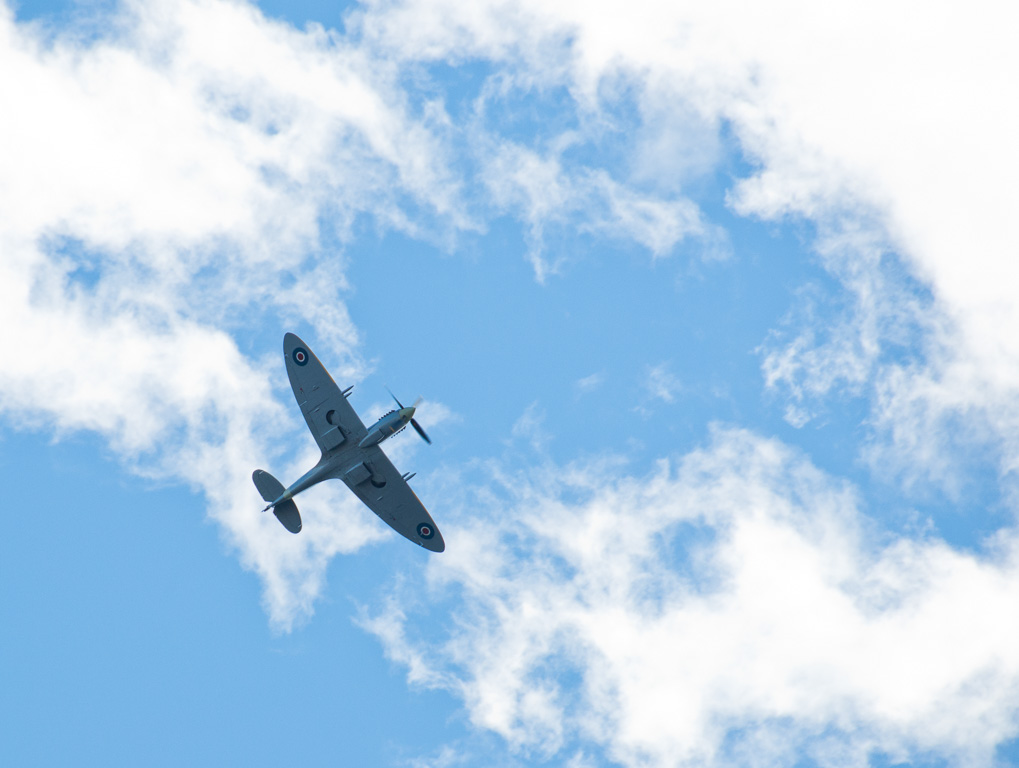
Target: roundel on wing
x,y
300,355
425,531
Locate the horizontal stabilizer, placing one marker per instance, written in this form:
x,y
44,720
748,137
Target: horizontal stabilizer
x,y
287,514
267,485
271,489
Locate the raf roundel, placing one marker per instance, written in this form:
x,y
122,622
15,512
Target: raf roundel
x,y
425,531
300,355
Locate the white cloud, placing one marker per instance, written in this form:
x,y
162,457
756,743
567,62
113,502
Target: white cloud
x,y
161,186
885,125
160,183
531,427
546,195
731,606
198,133
662,384
589,383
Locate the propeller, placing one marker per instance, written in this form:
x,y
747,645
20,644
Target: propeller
x,y
394,397
421,432
413,422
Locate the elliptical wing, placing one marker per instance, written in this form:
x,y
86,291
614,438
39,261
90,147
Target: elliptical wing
x,y
373,479
331,419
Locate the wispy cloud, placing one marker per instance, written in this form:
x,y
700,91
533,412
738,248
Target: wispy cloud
x,y
531,428
662,384
731,603
590,383
826,142
546,194
161,188
165,182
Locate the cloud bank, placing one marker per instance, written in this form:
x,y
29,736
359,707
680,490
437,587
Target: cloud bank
x,y
160,188
735,606
159,191
193,166
883,128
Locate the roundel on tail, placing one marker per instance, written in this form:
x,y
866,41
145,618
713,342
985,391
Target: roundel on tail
x,y
300,355
426,531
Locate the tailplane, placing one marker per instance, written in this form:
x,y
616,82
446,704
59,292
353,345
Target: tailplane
x,y
271,489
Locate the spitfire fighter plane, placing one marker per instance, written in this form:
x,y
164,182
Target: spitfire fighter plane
x,y
350,452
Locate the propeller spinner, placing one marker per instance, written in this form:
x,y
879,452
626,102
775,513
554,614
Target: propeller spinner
x,y
413,422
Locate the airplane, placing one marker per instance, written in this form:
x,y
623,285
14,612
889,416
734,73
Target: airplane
x,y
350,452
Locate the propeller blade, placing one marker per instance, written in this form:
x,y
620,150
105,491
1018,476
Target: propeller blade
x,y
394,397
417,403
420,431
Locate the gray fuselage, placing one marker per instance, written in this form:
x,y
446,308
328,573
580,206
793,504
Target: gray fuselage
x,y
384,428
387,426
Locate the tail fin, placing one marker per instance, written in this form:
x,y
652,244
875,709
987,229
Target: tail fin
x,y
271,489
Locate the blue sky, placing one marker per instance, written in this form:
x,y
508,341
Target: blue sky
x,y
718,351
